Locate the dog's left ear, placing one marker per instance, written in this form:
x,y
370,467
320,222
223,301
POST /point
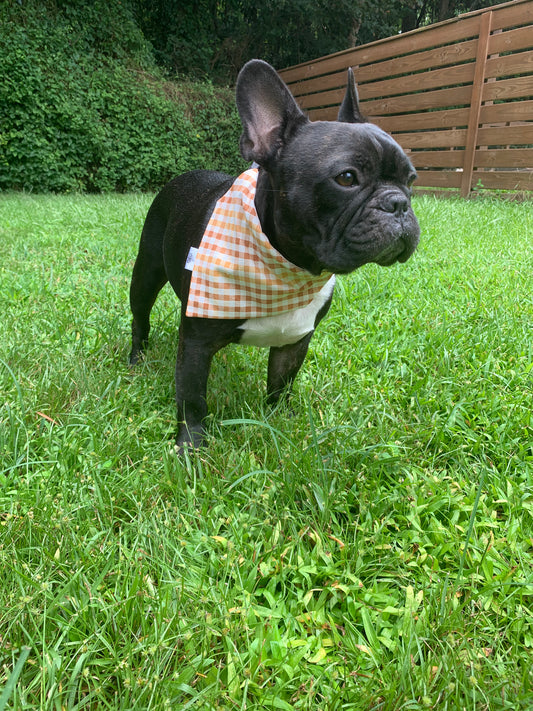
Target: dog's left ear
x,y
268,111
349,109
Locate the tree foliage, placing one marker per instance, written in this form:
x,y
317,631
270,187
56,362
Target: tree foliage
x,y
215,37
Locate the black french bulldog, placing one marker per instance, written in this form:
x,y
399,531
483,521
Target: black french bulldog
x,y
330,197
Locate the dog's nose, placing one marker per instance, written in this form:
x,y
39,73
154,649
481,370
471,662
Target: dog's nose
x,y
396,204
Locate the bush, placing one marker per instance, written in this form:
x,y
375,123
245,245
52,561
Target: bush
x,y
83,108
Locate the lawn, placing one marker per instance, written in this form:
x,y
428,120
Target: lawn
x,y
372,551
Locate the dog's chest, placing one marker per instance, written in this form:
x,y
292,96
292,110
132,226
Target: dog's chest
x,y
286,328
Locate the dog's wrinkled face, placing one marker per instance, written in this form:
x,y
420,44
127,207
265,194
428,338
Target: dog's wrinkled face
x,y
339,190
357,179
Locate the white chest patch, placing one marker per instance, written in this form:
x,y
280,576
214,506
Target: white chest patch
x,y
283,329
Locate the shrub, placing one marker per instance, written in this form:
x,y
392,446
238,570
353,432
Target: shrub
x,y
82,111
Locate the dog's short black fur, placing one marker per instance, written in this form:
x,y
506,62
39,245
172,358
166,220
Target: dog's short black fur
x,y
331,196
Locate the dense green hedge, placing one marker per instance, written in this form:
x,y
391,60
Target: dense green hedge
x,y
82,106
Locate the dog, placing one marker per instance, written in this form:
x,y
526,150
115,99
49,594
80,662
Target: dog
x,y
253,259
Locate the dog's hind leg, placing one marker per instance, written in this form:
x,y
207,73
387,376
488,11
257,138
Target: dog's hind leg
x,y
149,277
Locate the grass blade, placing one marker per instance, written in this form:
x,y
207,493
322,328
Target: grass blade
x,y
13,678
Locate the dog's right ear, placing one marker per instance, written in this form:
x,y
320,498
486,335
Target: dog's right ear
x,y
268,111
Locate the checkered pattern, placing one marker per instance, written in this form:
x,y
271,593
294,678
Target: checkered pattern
x,y
237,273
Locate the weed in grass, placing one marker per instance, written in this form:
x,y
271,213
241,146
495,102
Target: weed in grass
x,y
373,551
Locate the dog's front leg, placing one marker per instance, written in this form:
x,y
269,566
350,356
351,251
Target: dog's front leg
x,y
284,362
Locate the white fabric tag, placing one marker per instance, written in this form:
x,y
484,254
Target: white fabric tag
x,y
193,251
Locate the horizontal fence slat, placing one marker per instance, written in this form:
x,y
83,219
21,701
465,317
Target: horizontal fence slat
x,y
491,180
336,80
454,138
504,180
512,15
450,118
437,159
425,101
326,114
509,111
506,136
505,158
438,179
511,40
515,88
325,98
510,64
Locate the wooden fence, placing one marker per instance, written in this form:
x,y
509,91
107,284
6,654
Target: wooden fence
x,y
458,96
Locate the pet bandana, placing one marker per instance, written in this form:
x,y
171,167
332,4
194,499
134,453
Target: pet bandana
x,y
236,272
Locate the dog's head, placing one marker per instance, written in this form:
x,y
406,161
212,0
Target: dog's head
x,y
340,189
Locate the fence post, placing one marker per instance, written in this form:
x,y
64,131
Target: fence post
x,y
475,102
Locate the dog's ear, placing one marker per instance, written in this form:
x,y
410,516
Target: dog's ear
x,y
268,111
349,109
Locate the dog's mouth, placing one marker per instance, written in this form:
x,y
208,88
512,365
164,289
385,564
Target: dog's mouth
x,y
400,251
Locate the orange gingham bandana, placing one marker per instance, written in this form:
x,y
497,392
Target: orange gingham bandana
x,y
237,273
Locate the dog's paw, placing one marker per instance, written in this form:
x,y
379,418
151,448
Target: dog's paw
x,y
136,357
190,438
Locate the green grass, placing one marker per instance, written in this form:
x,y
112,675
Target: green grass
x,y
374,551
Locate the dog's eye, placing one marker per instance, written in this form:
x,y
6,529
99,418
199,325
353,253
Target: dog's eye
x,y
347,179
